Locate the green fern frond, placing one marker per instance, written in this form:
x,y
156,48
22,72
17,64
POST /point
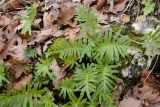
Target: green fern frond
x,y
153,37
2,73
76,102
43,68
66,87
86,80
87,18
112,48
23,98
106,81
149,7
47,100
31,53
65,48
28,19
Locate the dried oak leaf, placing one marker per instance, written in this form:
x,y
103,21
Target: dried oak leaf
x,y
130,102
66,13
22,82
16,50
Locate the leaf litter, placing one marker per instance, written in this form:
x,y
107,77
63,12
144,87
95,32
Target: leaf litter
x,y
56,18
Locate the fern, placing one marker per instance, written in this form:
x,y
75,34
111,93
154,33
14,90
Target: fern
x,y
43,68
29,19
65,48
112,48
87,18
66,87
151,42
31,53
149,7
86,79
76,102
47,100
106,81
2,73
23,98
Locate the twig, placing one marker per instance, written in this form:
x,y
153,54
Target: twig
x,y
127,6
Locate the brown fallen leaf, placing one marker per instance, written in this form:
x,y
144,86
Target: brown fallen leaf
x,y
14,4
148,94
47,19
71,33
17,70
3,40
130,102
119,5
88,2
149,78
5,20
58,72
22,82
66,13
101,4
16,49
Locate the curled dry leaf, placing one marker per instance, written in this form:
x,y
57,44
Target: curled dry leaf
x,y
130,102
22,82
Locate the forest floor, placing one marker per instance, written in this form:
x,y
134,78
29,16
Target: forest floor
x,y
30,50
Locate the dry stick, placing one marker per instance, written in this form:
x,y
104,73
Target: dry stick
x,y
127,6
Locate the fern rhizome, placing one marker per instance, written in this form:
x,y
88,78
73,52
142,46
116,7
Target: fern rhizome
x,y
93,60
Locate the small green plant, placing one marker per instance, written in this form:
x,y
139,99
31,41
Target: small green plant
x,y
28,19
66,87
31,53
87,18
43,68
23,98
2,73
148,6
